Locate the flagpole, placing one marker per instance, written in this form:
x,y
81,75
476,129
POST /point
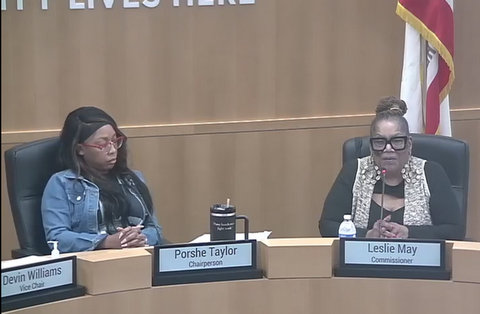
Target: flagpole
x,y
423,78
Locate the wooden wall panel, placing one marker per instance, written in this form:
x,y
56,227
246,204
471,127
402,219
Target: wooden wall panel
x,y
467,50
469,130
278,178
274,59
278,175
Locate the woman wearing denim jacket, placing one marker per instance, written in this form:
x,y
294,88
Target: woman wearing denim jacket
x,y
97,202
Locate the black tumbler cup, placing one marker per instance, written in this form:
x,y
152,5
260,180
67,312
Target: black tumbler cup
x,y
222,222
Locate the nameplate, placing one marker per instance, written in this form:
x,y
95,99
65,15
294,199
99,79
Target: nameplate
x,y
392,258
36,280
210,261
411,253
38,276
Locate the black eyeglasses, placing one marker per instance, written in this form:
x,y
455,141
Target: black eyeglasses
x,y
378,144
117,143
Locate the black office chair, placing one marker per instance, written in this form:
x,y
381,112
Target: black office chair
x,y
452,154
28,167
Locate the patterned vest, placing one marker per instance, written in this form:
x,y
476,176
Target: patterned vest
x,y
417,194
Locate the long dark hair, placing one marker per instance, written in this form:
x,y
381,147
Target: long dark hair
x,y
78,126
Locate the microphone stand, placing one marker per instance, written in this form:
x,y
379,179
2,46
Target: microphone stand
x,y
384,171
383,193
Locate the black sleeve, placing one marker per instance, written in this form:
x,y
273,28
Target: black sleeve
x,y
338,201
444,208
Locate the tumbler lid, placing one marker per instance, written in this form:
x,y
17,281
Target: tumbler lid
x,y
222,208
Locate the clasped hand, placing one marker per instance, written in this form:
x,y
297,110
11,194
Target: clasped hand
x,y
384,228
127,237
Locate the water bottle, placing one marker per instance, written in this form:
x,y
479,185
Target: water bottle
x,y
347,228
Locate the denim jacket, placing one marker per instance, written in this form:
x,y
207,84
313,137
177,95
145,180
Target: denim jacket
x,y
70,207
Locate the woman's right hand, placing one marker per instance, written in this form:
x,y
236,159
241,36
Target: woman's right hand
x,y
131,236
378,230
112,241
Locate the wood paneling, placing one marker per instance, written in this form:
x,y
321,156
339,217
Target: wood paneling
x,y
276,172
282,296
274,59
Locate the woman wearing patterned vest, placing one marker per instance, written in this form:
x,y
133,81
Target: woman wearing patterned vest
x,y
418,202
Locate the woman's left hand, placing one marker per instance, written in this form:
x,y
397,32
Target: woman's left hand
x,y
394,230
132,236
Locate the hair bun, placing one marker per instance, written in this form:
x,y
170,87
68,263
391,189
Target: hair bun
x,y
391,105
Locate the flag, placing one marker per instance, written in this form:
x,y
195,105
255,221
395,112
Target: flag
x,y
427,77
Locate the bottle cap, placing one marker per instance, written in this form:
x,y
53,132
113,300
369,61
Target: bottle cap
x,y
347,217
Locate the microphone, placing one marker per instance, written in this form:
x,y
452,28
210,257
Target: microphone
x,y
384,171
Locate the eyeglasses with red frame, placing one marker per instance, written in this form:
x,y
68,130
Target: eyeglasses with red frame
x,y
117,143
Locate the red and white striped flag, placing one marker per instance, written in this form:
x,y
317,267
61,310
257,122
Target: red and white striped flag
x,y
432,20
